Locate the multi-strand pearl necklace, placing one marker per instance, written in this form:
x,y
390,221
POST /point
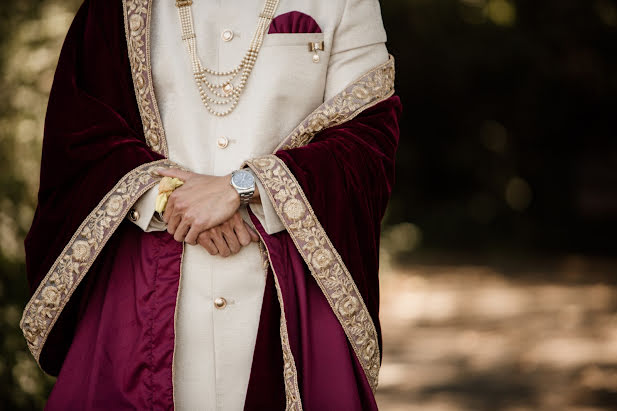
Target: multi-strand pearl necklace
x,y
226,92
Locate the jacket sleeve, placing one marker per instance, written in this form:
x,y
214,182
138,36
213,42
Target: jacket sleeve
x,y
265,212
358,45
143,214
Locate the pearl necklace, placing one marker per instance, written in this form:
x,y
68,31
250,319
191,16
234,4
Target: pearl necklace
x,y
225,93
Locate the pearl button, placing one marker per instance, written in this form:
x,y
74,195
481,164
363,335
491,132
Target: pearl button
x,y
227,35
220,303
133,215
222,142
315,58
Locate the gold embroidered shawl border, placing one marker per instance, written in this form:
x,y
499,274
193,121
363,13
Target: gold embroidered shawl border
x,y
293,400
137,20
368,90
322,259
173,353
69,269
296,213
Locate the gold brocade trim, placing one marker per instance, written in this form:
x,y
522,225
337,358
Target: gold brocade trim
x,y
293,401
137,19
173,353
290,372
371,88
264,257
311,240
69,269
322,259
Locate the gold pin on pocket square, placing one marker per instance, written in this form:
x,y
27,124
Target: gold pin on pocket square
x,y
314,47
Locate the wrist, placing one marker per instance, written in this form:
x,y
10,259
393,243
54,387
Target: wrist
x,y
256,196
231,193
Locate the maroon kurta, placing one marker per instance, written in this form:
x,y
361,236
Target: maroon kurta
x,y
104,292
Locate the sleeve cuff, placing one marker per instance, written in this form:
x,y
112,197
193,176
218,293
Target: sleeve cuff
x,y
265,212
142,213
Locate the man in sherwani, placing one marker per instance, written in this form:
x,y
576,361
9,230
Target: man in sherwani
x,y
250,242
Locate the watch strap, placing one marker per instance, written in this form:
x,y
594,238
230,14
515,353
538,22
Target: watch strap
x,y
245,197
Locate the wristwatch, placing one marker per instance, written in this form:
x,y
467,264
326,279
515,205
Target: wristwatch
x,y
243,181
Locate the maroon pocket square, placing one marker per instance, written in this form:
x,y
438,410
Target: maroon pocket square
x,y
294,22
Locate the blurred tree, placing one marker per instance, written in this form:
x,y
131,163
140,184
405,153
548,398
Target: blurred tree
x,y
31,33
508,139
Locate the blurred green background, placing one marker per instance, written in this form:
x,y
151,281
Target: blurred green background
x,y
498,248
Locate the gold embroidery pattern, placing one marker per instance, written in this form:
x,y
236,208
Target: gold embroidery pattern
x,y
370,89
303,226
293,400
264,257
290,373
323,260
137,17
75,260
173,353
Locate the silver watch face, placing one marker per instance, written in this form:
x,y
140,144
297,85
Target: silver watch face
x,y
243,179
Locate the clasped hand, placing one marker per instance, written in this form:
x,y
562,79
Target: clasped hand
x,y
204,211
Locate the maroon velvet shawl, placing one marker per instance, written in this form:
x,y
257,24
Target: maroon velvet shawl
x,y
101,316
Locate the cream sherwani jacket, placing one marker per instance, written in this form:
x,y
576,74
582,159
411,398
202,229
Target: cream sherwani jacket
x,y
214,345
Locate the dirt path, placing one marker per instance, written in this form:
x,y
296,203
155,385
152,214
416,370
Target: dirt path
x,y
479,337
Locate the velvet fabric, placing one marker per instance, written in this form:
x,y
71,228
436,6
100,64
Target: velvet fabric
x,y
347,174
93,136
356,159
112,347
294,22
122,351
329,376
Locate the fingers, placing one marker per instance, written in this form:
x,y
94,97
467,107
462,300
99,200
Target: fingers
x,y
206,242
240,229
177,225
175,172
225,239
173,223
242,234
169,209
219,242
193,234
181,230
230,237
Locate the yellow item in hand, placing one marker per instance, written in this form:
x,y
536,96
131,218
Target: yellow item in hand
x,y
166,187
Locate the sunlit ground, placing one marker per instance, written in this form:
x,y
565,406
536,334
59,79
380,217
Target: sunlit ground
x,y
540,335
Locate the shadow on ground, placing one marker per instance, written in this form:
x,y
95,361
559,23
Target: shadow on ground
x,y
531,335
